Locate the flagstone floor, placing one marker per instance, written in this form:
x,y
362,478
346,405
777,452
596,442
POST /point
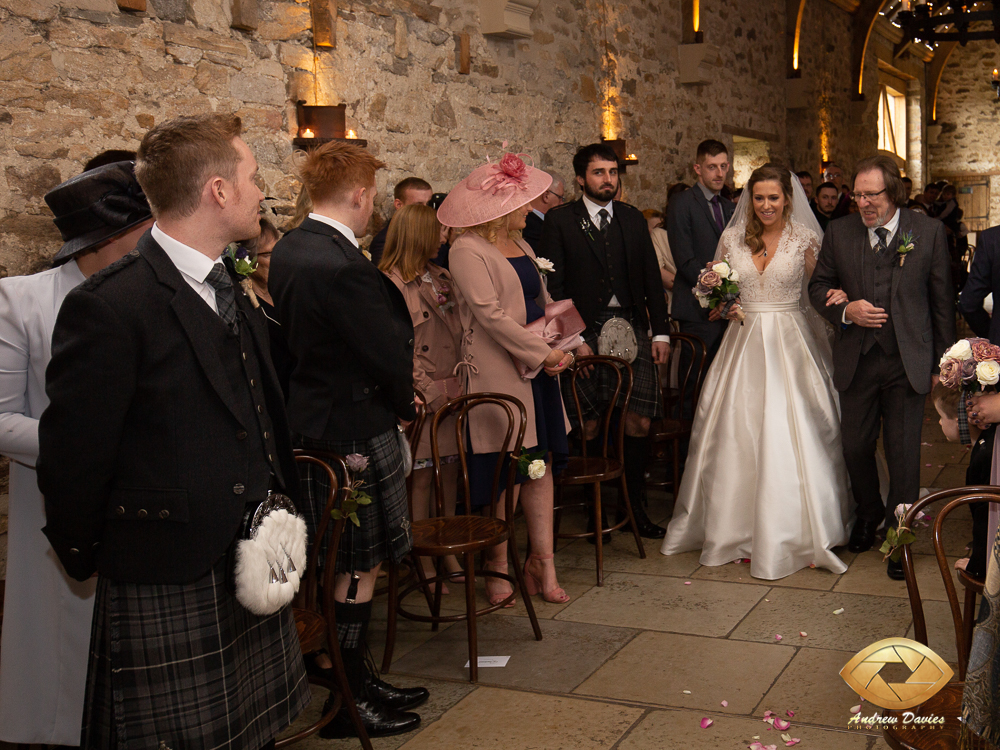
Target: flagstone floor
x,y
639,662
636,664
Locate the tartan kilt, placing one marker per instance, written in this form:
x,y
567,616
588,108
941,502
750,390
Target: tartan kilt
x,y
384,533
187,666
596,390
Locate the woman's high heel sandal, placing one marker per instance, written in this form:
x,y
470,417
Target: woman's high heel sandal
x,y
492,595
534,584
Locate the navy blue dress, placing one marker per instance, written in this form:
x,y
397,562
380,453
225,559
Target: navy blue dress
x,y
550,428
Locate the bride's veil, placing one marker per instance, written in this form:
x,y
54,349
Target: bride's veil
x,y
803,216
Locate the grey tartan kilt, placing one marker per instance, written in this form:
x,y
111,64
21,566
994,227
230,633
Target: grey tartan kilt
x,y
187,666
596,390
384,533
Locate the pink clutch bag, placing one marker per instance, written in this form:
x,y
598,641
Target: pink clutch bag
x,y
560,328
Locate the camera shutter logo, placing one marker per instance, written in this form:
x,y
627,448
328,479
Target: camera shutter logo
x,y
928,673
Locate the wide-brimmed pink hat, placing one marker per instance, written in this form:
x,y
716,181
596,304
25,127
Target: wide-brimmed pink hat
x,y
491,191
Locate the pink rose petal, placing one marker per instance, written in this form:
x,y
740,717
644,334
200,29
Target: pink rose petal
x,y
706,723
793,741
687,583
790,714
755,746
855,709
777,637
768,713
724,704
803,633
781,724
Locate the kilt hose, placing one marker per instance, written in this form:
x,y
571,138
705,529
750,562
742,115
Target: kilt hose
x,y
186,667
596,390
384,533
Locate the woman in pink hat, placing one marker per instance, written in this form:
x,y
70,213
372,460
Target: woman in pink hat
x,y
500,280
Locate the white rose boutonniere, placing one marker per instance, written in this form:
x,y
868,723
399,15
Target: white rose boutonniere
x,y
544,266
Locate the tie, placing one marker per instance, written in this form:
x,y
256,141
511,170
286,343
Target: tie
x,y
717,210
883,236
605,220
225,295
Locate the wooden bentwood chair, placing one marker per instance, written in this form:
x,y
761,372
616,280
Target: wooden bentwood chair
x,y
606,467
688,355
468,534
314,620
947,702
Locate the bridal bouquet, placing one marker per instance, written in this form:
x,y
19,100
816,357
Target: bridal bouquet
x,y
972,365
719,284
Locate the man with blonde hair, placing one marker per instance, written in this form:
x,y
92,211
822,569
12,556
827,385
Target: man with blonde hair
x,y
349,330
165,424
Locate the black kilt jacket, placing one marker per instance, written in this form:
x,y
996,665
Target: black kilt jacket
x,y
145,467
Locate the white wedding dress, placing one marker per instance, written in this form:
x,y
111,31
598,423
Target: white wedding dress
x,y
765,477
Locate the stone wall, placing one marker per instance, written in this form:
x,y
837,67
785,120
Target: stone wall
x,y
79,76
967,111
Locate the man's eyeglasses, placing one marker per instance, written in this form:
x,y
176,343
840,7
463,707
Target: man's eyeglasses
x,y
868,196
558,197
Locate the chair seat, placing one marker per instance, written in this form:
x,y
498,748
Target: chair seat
x,y
669,429
947,703
454,535
971,582
311,627
580,470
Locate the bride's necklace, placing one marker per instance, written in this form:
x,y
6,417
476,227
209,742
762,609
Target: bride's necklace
x,y
776,241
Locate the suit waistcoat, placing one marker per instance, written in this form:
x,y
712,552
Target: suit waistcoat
x,y
616,281
240,360
878,289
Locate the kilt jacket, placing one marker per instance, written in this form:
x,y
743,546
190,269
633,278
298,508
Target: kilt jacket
x,y
145,465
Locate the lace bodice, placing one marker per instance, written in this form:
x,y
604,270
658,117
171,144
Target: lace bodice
x,y
781,281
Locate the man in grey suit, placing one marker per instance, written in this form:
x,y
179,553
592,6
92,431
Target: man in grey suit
x,y
897,321
695,220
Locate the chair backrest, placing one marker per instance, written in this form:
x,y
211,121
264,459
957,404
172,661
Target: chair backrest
x,y
339,490
513,443
622,374
690,355
413,432
958,496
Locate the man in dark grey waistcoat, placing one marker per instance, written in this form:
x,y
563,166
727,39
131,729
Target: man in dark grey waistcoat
x,y
898,320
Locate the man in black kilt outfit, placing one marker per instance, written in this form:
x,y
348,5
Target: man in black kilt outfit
x,y
166,420
350,333
605,262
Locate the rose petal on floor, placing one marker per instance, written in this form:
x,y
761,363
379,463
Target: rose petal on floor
x,y
777,637
781,724
838,611
855,709
724,704
706,723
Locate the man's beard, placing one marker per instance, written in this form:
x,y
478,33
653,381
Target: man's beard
x,y
882,218
600,195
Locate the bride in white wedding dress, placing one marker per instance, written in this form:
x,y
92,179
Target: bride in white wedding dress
x,y
765,476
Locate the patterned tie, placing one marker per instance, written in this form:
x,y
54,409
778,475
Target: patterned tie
x,y
883,237
225,295
605,220
717,210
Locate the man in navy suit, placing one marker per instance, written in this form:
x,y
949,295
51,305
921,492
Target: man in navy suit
x,y
695,220
554,196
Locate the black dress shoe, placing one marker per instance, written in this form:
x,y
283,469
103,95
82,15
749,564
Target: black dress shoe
x,y
378,720
895,571
863,535
647,529
400,699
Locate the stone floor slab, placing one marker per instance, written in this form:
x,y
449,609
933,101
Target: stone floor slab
x,y
490,718
807,578
567,654
662,603
940,630
682,729
658,667
786,612
867,576
621,556
812,687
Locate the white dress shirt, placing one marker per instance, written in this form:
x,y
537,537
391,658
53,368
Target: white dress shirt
x,y
342,228
594,209
892,225
193,265
538,213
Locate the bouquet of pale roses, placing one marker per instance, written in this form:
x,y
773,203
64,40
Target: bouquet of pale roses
x,y
971,365
719,284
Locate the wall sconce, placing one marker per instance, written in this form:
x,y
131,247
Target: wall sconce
x,y
625,159
996,82
320,124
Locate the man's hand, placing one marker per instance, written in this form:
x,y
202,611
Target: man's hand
x,y
584,351
661,352
863,313
835,297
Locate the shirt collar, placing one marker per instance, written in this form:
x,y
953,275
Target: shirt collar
x,y
705,191
342,228
538,213
189,261
594,209
891,225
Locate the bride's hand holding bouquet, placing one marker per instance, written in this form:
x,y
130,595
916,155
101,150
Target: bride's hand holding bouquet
x,y
718,290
